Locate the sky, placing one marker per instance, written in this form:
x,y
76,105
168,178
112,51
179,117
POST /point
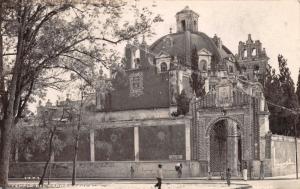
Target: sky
x,y
276,23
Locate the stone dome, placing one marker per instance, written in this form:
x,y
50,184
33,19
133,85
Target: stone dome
x,y
187,37
181,45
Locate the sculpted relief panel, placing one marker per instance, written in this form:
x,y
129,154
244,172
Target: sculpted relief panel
x,y
136,84
224,96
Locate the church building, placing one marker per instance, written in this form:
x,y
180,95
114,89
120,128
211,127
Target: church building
x,y
223,129
134,125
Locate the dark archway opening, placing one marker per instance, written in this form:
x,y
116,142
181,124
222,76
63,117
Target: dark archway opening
x,y
183,25
225,147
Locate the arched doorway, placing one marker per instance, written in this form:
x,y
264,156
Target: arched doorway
x,y
225,147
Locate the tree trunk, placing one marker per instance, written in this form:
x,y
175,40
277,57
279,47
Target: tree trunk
x,y
8,121
5,151
77,141
41,183
75,158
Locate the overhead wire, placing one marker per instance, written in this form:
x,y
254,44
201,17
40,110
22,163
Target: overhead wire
x,y
296,112
251,83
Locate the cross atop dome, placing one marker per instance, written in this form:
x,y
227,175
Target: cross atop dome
x,y
187,20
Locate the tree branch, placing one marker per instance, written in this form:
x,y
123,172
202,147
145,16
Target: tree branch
x,y
23,102
73,70
88,54
77,59
47,17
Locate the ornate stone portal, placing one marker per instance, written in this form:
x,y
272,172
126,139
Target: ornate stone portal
x,y
226,127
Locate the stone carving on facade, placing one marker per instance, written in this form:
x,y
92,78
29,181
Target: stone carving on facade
x,y
224,94
136,87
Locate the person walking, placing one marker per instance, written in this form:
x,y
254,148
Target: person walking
x,y
159,176
245,171
228,176
178,168
131,172
262,171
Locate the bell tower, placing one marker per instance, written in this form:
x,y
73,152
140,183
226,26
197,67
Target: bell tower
x,y
187,20
253,59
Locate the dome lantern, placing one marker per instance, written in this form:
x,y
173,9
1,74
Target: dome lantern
x,y
187,20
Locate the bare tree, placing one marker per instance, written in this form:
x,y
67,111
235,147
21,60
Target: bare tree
x,y
77,134
51,122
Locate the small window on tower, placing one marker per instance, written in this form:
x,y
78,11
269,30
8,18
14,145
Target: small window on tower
x,y
183,25
254,52
244,53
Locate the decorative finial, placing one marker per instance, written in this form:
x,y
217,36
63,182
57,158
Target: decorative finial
x,y
249,36
170,30
249,41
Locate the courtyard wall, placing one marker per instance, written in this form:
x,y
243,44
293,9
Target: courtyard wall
x,y
283,155
100,169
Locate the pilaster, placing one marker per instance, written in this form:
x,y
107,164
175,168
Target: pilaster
x,y
136,144
92,144
187,141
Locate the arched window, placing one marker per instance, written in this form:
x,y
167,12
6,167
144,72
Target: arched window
x,y
203,64
136,59
230,69
244,53
163,67
183,25
254,52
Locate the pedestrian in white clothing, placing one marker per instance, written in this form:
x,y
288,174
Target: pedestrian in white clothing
x,y
159,176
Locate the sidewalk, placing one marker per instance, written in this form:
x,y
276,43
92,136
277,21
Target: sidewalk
x,y
168,183
132,184
216,178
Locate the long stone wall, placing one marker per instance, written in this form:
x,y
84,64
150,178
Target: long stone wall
x,y
283,155
110,151
110,169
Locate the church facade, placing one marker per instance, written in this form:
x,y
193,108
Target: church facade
x,y
134,125
224,129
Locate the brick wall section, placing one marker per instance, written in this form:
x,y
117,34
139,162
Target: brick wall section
x,y
155,93
255,126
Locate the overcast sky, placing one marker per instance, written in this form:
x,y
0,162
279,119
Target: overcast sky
x,y
276,23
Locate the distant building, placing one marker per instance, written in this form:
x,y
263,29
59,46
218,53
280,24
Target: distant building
x,y
132,125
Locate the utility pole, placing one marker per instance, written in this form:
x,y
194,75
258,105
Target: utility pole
x,y
296,144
